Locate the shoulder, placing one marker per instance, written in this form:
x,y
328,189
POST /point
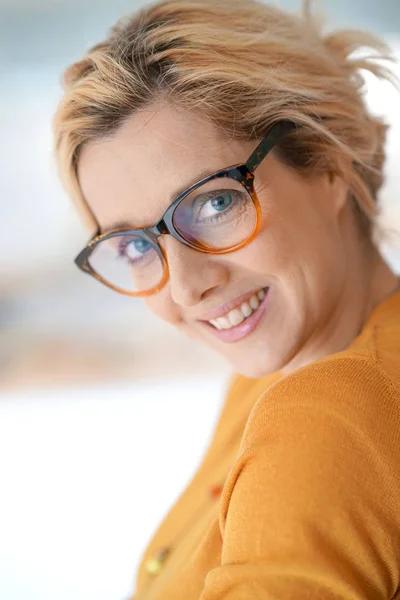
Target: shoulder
x,y
330,426
356,384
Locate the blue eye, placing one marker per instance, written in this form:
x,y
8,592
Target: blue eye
x,y
134,248
221,203
142,245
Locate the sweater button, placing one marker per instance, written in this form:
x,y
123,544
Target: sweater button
x,y
215,490
162,553
154,565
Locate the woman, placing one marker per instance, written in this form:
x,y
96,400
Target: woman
x,y
224,160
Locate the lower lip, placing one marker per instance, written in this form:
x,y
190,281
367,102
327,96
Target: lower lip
x,y
242,330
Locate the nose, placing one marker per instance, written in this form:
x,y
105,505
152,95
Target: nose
x,y
193,275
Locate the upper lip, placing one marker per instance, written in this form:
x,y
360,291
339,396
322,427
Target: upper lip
x,y
228,306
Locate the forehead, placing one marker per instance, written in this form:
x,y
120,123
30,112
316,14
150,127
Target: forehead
x,y
132,176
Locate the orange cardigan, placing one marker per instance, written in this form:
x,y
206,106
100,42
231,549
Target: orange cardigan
x,y
310,507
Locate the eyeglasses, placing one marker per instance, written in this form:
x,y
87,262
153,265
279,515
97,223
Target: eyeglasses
x,y
217,215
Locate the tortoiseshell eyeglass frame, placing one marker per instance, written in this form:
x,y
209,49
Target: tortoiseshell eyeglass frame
x,y
243,173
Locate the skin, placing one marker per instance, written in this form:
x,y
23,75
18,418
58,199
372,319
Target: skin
x,y
325,277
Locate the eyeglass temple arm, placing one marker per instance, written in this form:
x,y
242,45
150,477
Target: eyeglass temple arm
x,y
277,132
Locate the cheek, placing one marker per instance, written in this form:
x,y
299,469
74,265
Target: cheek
x,y
268,254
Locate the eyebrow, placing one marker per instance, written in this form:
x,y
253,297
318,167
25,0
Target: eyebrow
x,y
204,173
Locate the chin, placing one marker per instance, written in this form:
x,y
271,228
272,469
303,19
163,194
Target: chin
x,y
255,369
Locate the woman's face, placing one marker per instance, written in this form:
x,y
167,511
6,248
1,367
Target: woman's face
x,y
298,256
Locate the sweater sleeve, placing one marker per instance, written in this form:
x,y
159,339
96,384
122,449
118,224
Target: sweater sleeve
x,y
310,509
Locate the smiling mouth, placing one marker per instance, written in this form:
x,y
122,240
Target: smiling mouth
x,y
230,333
238,315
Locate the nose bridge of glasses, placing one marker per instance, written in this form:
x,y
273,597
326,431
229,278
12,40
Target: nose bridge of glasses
x,y
159,229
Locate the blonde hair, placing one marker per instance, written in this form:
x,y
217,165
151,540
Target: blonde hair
x,y
244,66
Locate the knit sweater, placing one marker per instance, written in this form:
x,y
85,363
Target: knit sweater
x,y
310,470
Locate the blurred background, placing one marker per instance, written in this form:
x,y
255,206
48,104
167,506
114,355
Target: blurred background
x,y
83,370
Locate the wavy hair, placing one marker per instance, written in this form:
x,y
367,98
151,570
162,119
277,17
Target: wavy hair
x,y
243,65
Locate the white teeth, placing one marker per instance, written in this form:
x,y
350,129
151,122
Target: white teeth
x,y
246,309
235,316
254,302
224,322
238,315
